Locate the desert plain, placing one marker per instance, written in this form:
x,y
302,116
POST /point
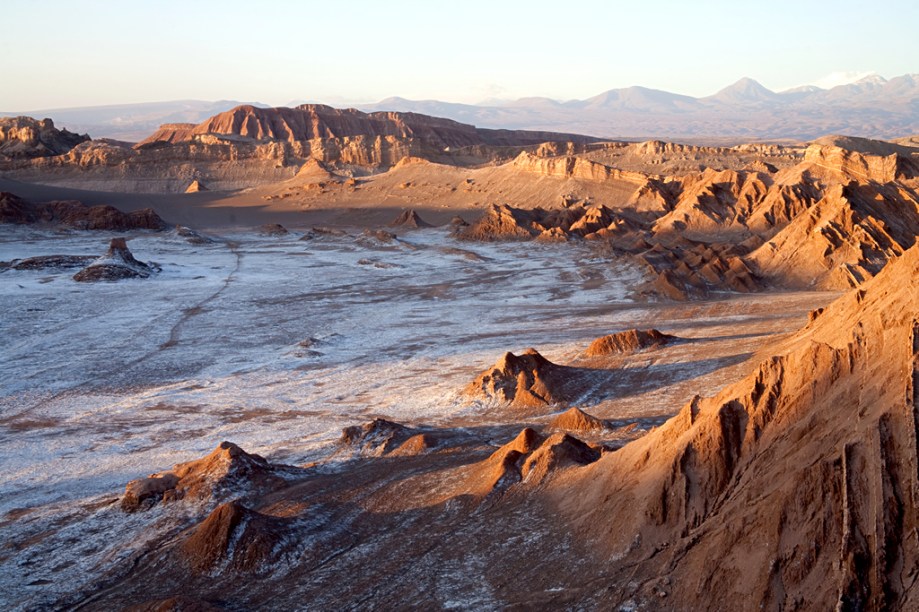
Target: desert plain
x,y
313,358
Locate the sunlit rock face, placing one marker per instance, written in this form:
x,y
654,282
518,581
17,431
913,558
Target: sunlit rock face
x,y
24,138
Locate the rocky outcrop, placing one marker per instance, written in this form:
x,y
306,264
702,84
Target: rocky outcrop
x,y
49,262
272,229
192,236
347,137
503,467
26,138
76,215
628,342
196,186
169,133
311,122
528,460
713,203
525,381
503,222
844,239
682,269
225,469
799,479
558,451
575,419
409,219
570,166
118,263
233,538
847,164
14,209
377,437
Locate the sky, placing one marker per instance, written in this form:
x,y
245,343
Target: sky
x,y
61,53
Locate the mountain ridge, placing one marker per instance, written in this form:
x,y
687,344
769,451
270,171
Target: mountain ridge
x,y
871,107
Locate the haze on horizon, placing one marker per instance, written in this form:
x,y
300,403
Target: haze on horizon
x,y
99,53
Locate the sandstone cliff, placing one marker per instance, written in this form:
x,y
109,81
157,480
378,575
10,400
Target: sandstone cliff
x,y
25,137
800,479
319,122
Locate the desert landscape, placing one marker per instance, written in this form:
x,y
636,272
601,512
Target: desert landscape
x,y
640,351
323,307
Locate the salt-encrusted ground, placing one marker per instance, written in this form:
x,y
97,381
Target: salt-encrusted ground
x,y
276,344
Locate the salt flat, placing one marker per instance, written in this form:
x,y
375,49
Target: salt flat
x,y
276,343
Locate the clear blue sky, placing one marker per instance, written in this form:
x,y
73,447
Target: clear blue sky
x,y
60,53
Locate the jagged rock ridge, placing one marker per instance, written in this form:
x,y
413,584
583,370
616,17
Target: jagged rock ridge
x,y
800,478
25,138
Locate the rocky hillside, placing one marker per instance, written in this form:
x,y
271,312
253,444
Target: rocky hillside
x,y
318,122
249,146
830,221
801,478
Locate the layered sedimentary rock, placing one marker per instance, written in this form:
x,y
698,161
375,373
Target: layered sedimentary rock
x,y
844,239
310,122
831,221
250,146
26,138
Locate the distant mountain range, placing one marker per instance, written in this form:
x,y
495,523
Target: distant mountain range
x,y
872,107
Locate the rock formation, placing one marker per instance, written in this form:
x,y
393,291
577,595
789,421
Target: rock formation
x,y
831,220
801,477
627,342
377,437
526,381
227,467
196,186
844,239
46,262
191,236
502,468
575,419
409,219
528,459
503,222
315,122
76,215
25,138
118,263
557,452
272,229
233,538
